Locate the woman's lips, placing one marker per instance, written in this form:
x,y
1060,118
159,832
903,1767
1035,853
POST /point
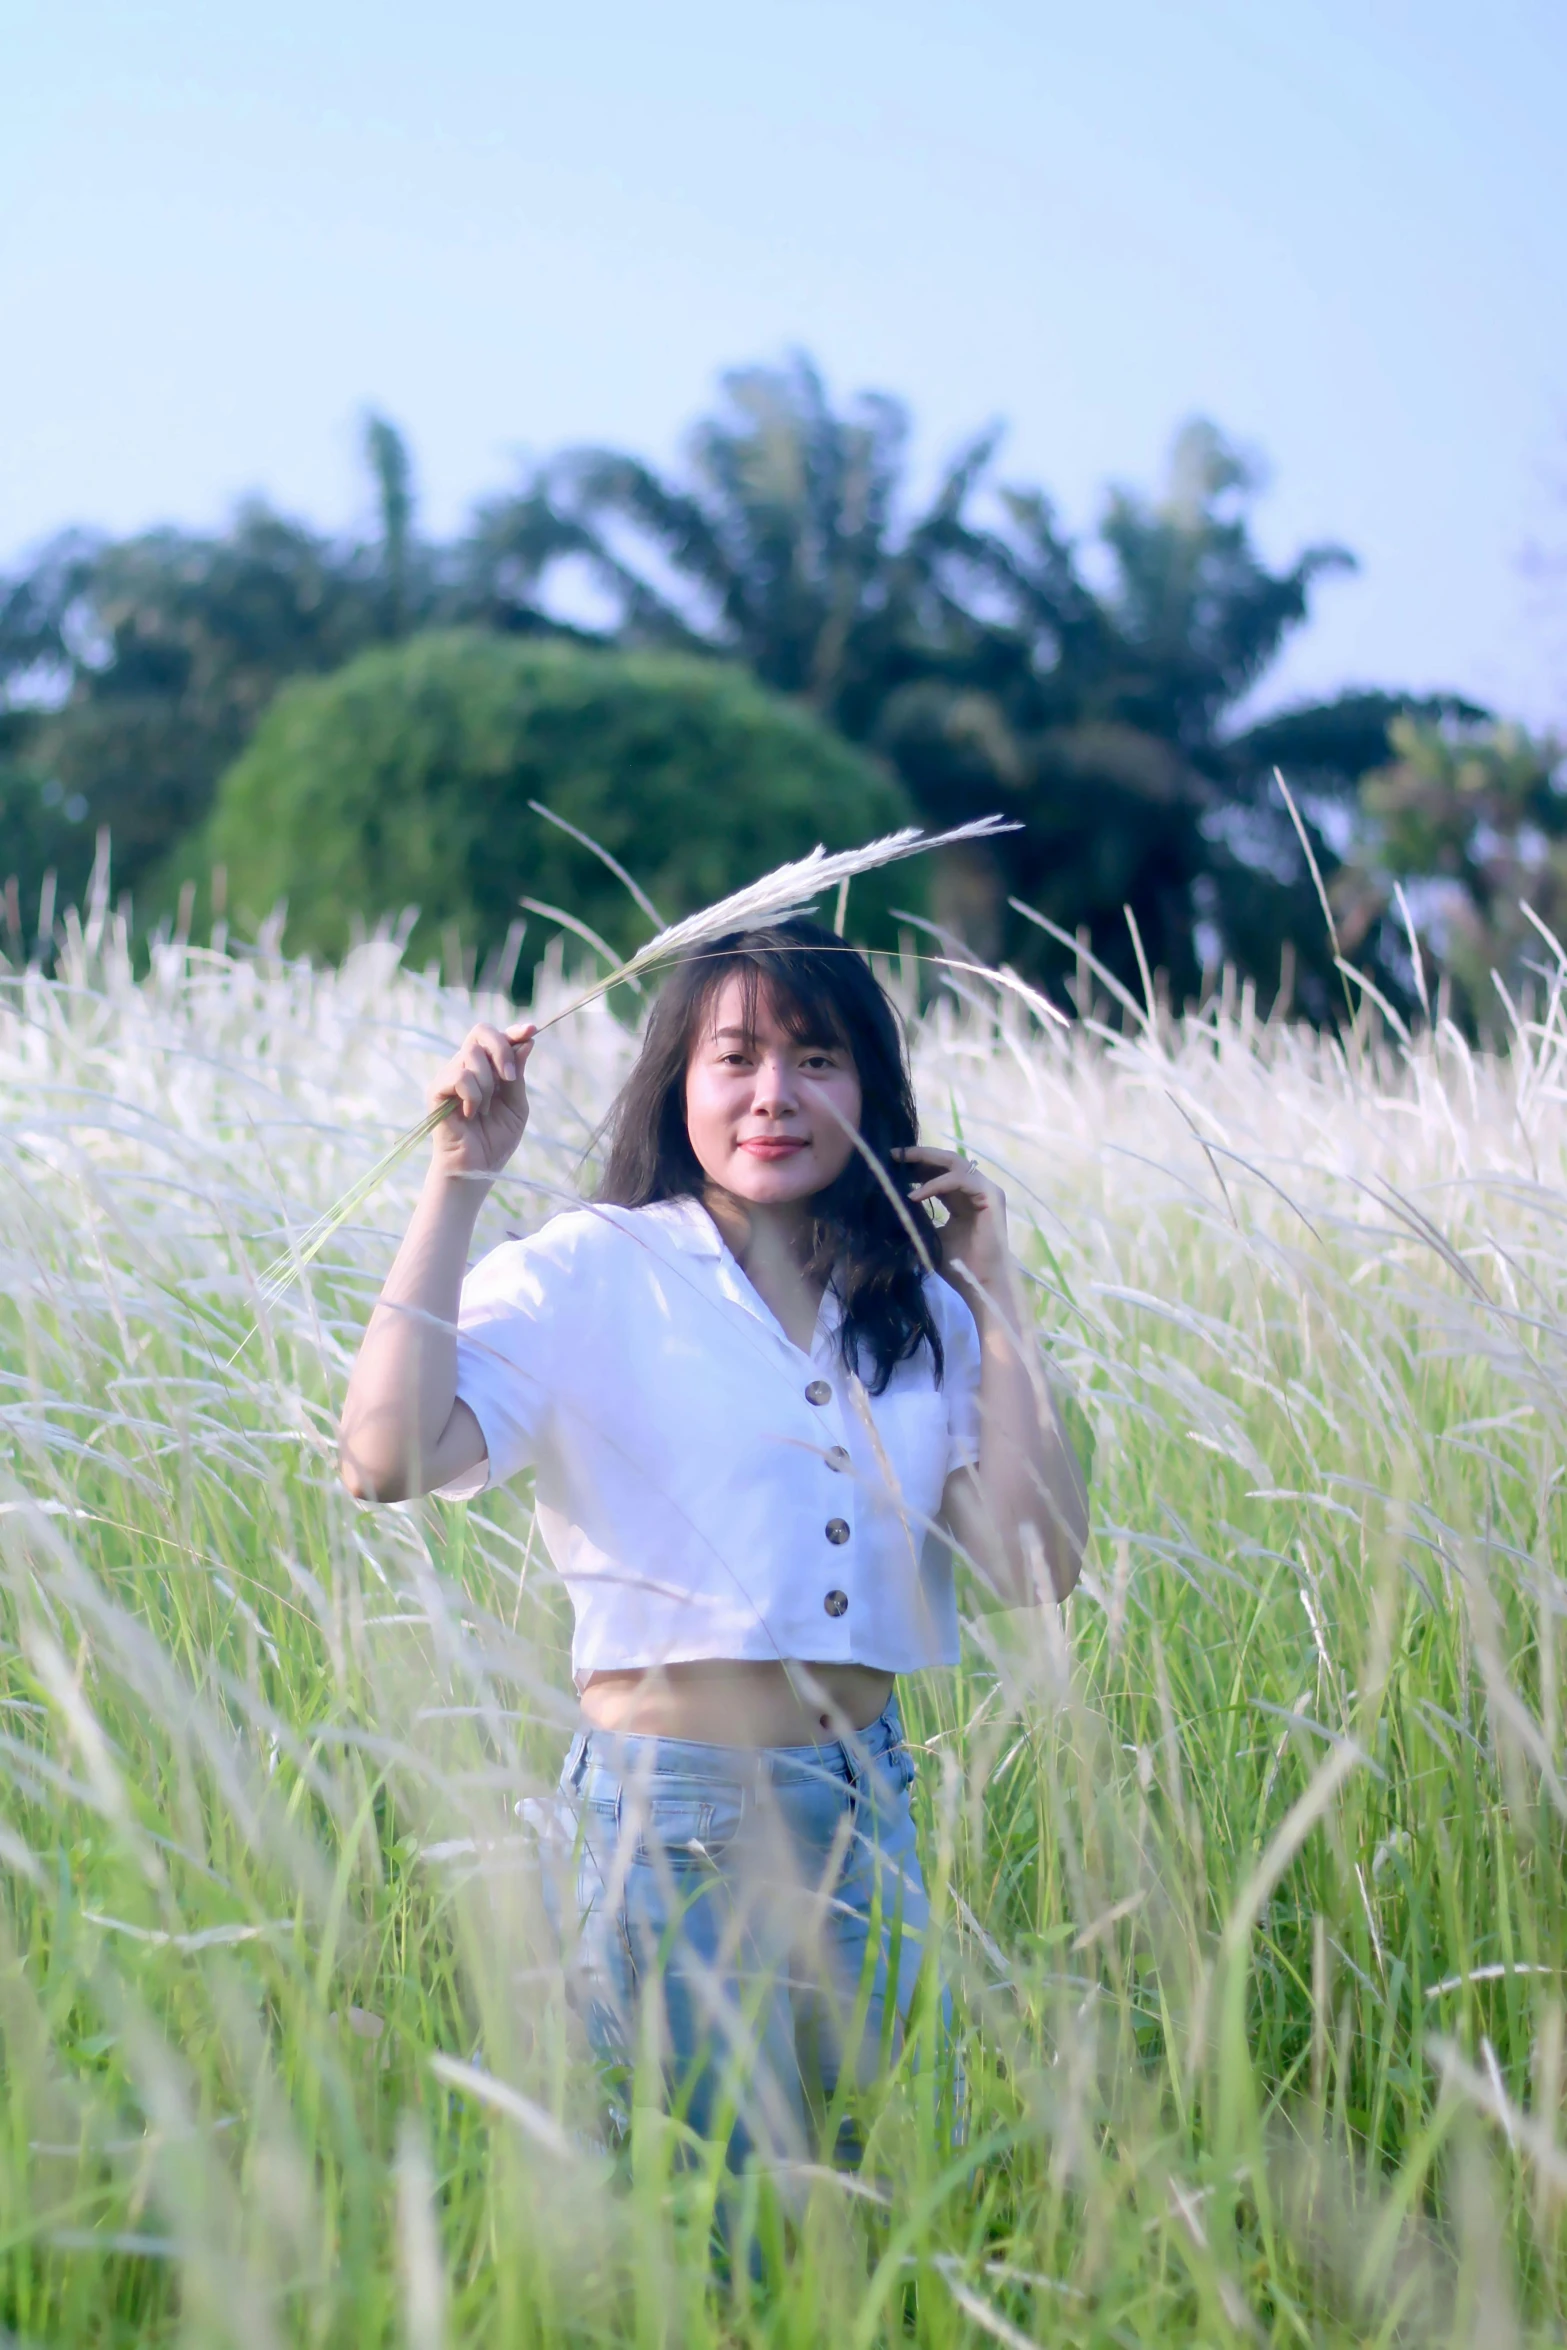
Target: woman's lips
x,y
766,1146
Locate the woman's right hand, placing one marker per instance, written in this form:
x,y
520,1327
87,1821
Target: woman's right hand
x,y
485,1078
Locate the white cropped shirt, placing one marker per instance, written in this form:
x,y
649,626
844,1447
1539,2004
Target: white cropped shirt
x,y
705,1488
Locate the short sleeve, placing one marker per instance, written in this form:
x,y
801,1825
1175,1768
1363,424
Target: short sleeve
x,y
507,1327
960,1374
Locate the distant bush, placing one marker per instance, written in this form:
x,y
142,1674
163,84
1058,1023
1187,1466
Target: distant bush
x,y
43,829
404,779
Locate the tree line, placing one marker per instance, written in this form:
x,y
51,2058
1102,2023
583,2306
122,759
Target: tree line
x,y
788,646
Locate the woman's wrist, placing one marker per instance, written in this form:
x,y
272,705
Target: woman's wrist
x,y
987,1291
455,1194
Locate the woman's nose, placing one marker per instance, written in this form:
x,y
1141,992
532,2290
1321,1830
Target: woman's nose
x,y
774,1090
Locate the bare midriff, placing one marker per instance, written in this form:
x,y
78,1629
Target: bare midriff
x,y
734,1703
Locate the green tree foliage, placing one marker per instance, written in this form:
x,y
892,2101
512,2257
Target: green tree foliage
x,y
1094,690
149,660
42,836
1470,822
785,548
1102,715
406,778
998,668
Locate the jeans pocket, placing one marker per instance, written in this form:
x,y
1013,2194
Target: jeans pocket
x,y
680,1823
550,1822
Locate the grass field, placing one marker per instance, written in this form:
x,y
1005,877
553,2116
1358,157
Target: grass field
x,y
1249,1864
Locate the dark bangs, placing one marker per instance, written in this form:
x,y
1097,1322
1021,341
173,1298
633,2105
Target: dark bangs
x,y
863,1240
793,988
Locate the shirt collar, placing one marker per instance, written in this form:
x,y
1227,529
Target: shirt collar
x,y
692,1231
689,1226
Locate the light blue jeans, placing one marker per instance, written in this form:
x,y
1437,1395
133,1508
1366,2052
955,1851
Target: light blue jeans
x,y
752,1924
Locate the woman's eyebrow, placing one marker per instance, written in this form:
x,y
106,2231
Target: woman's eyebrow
x,y
811,1044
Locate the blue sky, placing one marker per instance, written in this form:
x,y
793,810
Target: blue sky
x,y
1334,228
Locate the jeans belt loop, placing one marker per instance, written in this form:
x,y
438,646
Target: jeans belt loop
x,y
857,1757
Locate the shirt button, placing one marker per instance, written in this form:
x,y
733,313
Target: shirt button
x,y
838,1458
837,1530
818,1392
836,1603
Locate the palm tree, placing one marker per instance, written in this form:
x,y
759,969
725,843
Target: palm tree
x,y
1463,827
986,666
784,546
1101,715
158,654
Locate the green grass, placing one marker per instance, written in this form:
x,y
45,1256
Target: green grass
x,y
1250,1866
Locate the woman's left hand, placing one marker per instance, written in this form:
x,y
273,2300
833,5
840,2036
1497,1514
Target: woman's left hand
x,y
975,1234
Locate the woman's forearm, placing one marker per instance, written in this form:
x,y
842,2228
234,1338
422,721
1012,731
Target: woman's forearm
x,y
403,1431
1025,1501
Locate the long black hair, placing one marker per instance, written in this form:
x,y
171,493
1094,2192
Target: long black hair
x,y
821,993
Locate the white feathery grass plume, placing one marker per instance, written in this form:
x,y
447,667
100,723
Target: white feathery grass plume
x,y
789,889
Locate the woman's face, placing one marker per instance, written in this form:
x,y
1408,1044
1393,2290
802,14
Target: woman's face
x,y
771,1120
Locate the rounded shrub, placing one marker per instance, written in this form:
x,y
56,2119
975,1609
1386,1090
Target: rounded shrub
x,y
404,779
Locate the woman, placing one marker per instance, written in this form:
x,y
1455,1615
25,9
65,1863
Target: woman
x,y
760,1418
